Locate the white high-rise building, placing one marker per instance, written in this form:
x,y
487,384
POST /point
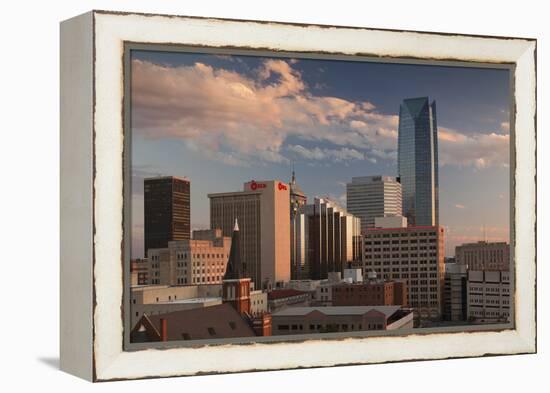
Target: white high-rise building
x,y
369,197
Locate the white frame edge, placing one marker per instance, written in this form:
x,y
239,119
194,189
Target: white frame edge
x,y
112,30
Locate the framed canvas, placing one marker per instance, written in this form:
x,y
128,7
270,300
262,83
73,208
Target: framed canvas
x,y
246,195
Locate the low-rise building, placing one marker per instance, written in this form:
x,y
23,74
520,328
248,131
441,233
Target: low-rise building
x,y
489,299
258,302
309,320
281,298
161,299
370,293
139,272
201,260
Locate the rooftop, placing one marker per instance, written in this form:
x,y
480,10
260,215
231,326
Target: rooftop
x,y
284,293
194,300
220,321
337,310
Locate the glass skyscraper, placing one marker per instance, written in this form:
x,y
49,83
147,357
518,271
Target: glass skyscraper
x,y
418,162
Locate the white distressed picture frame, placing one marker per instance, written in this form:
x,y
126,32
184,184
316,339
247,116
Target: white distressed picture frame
x,y
92,190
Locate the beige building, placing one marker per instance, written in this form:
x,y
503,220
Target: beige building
x,y
414,255
309,320
258,302
489,299
263,212
160,299
201,260
484,256
369,197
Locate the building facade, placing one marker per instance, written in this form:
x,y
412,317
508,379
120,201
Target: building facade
x,y
201,260
310,320
414,255
167,211
418,166
370,293
330,238
298,266
455,293
263,213
484,256
139,272
369,197
489,299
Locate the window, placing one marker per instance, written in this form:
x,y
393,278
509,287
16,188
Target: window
x,y
211,331
232,325
282,327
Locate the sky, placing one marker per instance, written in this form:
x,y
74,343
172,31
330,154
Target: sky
x,y
222,120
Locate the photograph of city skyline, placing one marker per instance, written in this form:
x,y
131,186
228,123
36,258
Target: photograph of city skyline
x,y
281,196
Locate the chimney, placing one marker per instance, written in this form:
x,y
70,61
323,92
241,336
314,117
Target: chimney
x,y
163,330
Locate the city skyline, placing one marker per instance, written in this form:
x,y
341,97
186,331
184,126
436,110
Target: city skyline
x,y
287,112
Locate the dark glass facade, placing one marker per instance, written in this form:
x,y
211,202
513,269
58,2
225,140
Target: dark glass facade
x,y
167,212
418,161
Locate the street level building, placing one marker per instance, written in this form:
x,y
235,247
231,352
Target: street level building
x,y
417,161
263,213
483,255
167,211
369,197
309,320
201,260
489,299
414,255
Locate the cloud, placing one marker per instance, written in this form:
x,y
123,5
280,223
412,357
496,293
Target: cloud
x,y
505,127
242,119
338,155
239,119
479,150
459,206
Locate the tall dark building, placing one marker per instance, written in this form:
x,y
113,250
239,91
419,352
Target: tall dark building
x,y
418,161
167,212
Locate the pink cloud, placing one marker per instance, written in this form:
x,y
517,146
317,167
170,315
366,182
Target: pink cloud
x,y
240,119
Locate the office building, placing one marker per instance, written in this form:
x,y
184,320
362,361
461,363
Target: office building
x,y
489,296
455,292
263,213
167,211
330,236
298,266
369,197
309,320
484,256
417,162
414,255
201,260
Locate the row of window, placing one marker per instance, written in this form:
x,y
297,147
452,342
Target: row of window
x,y
386,235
